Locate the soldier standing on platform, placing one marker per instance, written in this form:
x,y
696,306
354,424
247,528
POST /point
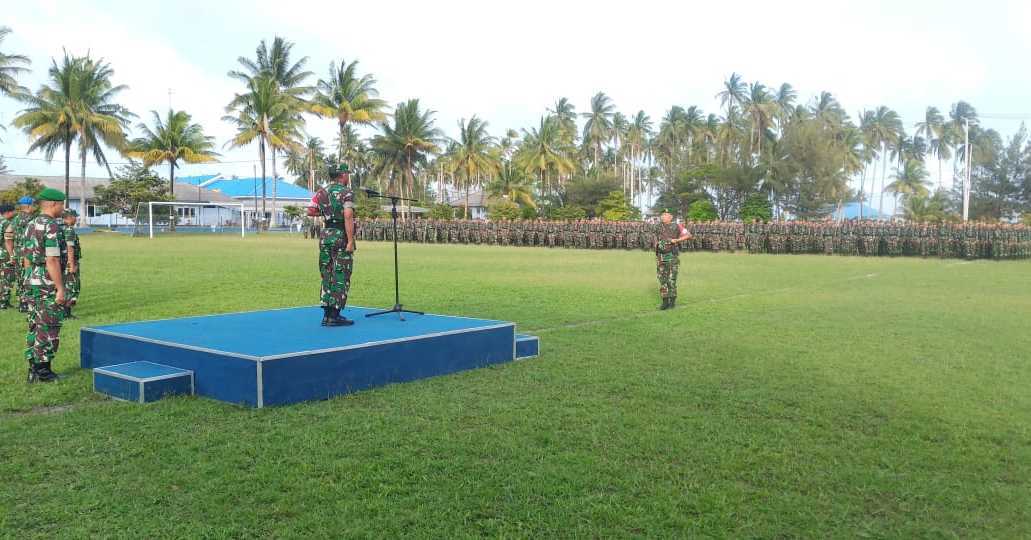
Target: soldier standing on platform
x,y
667,257
335,203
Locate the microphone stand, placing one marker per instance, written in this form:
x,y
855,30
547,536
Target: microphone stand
x,y
398,308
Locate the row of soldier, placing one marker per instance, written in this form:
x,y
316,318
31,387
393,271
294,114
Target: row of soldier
x,y
850,237
32,237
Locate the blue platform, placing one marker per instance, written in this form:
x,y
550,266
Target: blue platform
x,y
142,381
283,356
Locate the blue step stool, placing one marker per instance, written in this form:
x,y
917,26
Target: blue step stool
x,y
142,382
527,346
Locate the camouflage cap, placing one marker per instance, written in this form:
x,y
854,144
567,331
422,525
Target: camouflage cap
x,y
71,213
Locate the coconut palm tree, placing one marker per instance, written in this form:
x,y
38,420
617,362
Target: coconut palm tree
x,y
290,77
938,135
258,116
11,65
910,181
101,118
637,137
565,113
275,63
733,93
761,111
884,131
308,163
471,155
598,128
407,143
542,151
172,140
77,105
511,183
348,97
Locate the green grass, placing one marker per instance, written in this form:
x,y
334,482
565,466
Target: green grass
x,y
786,396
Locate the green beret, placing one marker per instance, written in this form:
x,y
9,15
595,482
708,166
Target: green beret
x,y
51,194
338,170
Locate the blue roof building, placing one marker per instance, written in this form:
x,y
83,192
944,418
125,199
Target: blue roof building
x,y
248,192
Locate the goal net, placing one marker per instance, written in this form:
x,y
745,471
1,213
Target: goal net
x,y
153,218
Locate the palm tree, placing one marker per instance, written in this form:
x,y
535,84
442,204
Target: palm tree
x,y
10,68
637,137
934,130
565,114
511,183
598,128
348,97
78,104
785,100
733,93
471,155
542,151
403,146
884,131
761,111
910,180
172,140
308,162
101,119
258,115
274,63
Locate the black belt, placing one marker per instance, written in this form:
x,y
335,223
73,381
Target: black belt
x,y
335,225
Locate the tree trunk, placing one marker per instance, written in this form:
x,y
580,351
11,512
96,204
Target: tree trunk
x,y
82,188
862,185
884,174
261,157
275,184
171,193
67,169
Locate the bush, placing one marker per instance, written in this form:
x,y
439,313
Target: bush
x,y
503,209
701,211
528,212
616,207
568,213
756,206
1027,219
442,211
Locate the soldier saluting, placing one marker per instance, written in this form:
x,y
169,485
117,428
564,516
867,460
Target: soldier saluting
x,y
335,204
667,257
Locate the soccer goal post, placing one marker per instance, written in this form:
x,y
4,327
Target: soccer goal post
x,y
201,217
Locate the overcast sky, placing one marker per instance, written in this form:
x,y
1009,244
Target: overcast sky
x,y
508,62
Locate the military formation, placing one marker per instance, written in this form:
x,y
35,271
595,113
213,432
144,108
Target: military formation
x,y
851,237
40,269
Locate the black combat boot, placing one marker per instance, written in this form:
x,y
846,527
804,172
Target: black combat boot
x,y
41,373
68,312
672,302
339,319
665,304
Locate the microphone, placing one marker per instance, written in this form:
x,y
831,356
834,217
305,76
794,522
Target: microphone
x,y
371,192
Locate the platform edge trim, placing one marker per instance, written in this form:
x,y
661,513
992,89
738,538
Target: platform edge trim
x,y
171,344
388,342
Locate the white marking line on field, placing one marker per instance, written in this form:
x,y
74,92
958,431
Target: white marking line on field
x,y
960,263
642,314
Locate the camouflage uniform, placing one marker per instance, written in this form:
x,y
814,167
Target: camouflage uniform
x,y
43,239
335,263
8,270
72,280
667,260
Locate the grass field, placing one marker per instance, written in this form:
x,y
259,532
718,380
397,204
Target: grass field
x,y
786,396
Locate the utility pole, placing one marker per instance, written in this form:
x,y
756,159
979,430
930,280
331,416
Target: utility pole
x,y
254,185
966,181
